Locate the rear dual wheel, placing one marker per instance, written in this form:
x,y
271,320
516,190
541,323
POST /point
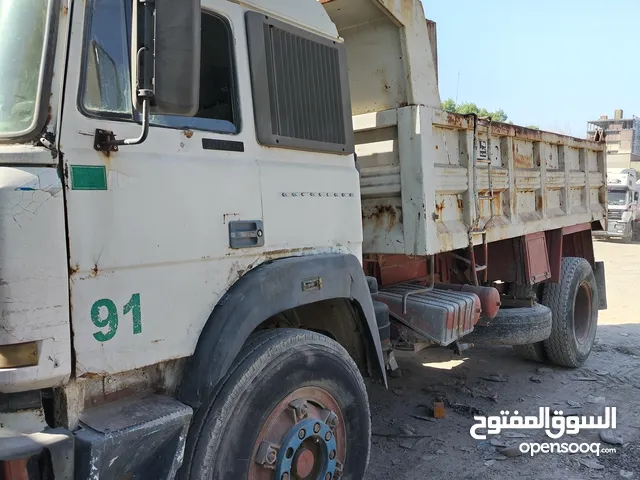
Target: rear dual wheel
x,y
293,406
574,306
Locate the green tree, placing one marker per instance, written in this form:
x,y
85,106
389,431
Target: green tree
x,y
449,105
534,127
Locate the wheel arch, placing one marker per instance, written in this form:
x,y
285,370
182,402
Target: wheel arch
x,y
300,285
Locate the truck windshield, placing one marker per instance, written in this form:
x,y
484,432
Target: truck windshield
x,y
617,197
23,24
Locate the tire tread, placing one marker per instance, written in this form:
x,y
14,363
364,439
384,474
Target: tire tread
x,y
557,297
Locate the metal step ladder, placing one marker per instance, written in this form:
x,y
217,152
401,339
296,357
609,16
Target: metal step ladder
x,y
475,229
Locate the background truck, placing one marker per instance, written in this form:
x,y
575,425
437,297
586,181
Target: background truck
x,y
622,211
219,216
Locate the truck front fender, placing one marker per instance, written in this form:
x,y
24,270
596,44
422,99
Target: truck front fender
x,y
271,288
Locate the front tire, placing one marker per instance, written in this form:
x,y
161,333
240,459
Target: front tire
x,y
574,303
294,405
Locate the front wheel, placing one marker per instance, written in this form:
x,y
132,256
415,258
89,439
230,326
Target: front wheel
x,y
574,303
294,406
636,231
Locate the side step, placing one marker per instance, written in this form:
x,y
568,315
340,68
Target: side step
x,y
138,437
442,316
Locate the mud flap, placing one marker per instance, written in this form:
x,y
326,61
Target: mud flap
x,y
598,272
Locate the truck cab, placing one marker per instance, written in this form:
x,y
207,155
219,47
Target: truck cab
x,y
622,209
126,222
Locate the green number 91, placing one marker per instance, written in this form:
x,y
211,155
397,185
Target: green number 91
x,y
104,314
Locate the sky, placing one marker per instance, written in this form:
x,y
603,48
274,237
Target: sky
x,y
552,63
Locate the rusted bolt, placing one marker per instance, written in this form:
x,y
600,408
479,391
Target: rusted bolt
x,y
302,433
332,454
271,456
316,428
332,420
327,437
300,407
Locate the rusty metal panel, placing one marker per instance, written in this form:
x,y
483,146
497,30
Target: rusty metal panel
x,y
536,258
523,181
441,316
401,268
554,247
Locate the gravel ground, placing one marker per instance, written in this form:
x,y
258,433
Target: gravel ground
x,y
408,447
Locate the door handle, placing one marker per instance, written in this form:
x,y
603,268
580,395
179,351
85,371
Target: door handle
x,y
246,233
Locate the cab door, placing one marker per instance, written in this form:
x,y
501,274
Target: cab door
x,y
148,225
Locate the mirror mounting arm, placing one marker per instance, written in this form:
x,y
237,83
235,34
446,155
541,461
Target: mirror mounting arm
x,y
105,141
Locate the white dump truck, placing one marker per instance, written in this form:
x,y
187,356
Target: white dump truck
x,y
219,216
623,198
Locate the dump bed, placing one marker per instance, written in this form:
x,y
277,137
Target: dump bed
x,y
432,180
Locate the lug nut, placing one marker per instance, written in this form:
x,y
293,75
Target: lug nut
x,y
271,456
316,428
285,476
302,433
327,476
327,437
332,454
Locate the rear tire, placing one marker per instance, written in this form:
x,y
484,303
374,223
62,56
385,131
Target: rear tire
x,y
253,408
574,303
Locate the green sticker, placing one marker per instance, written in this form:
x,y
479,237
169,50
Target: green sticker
x,y
88,177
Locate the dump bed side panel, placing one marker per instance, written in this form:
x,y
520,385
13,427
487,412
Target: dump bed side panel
x,y
423,192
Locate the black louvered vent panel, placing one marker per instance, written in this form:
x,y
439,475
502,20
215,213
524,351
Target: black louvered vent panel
x,y
304,83
300,87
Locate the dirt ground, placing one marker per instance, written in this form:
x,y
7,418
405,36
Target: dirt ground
x,y
406,447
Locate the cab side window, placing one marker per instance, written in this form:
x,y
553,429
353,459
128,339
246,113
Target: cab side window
x,y
106,90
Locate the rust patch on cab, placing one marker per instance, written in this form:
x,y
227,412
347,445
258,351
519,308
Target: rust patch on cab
x,y
187,133
74,269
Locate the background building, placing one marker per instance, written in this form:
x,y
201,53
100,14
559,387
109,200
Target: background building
x,y
623,139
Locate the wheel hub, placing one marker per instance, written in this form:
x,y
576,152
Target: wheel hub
x,y
303,462
304,438
295,458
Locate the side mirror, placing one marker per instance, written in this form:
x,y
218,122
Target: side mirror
x,y
165,63
165,56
